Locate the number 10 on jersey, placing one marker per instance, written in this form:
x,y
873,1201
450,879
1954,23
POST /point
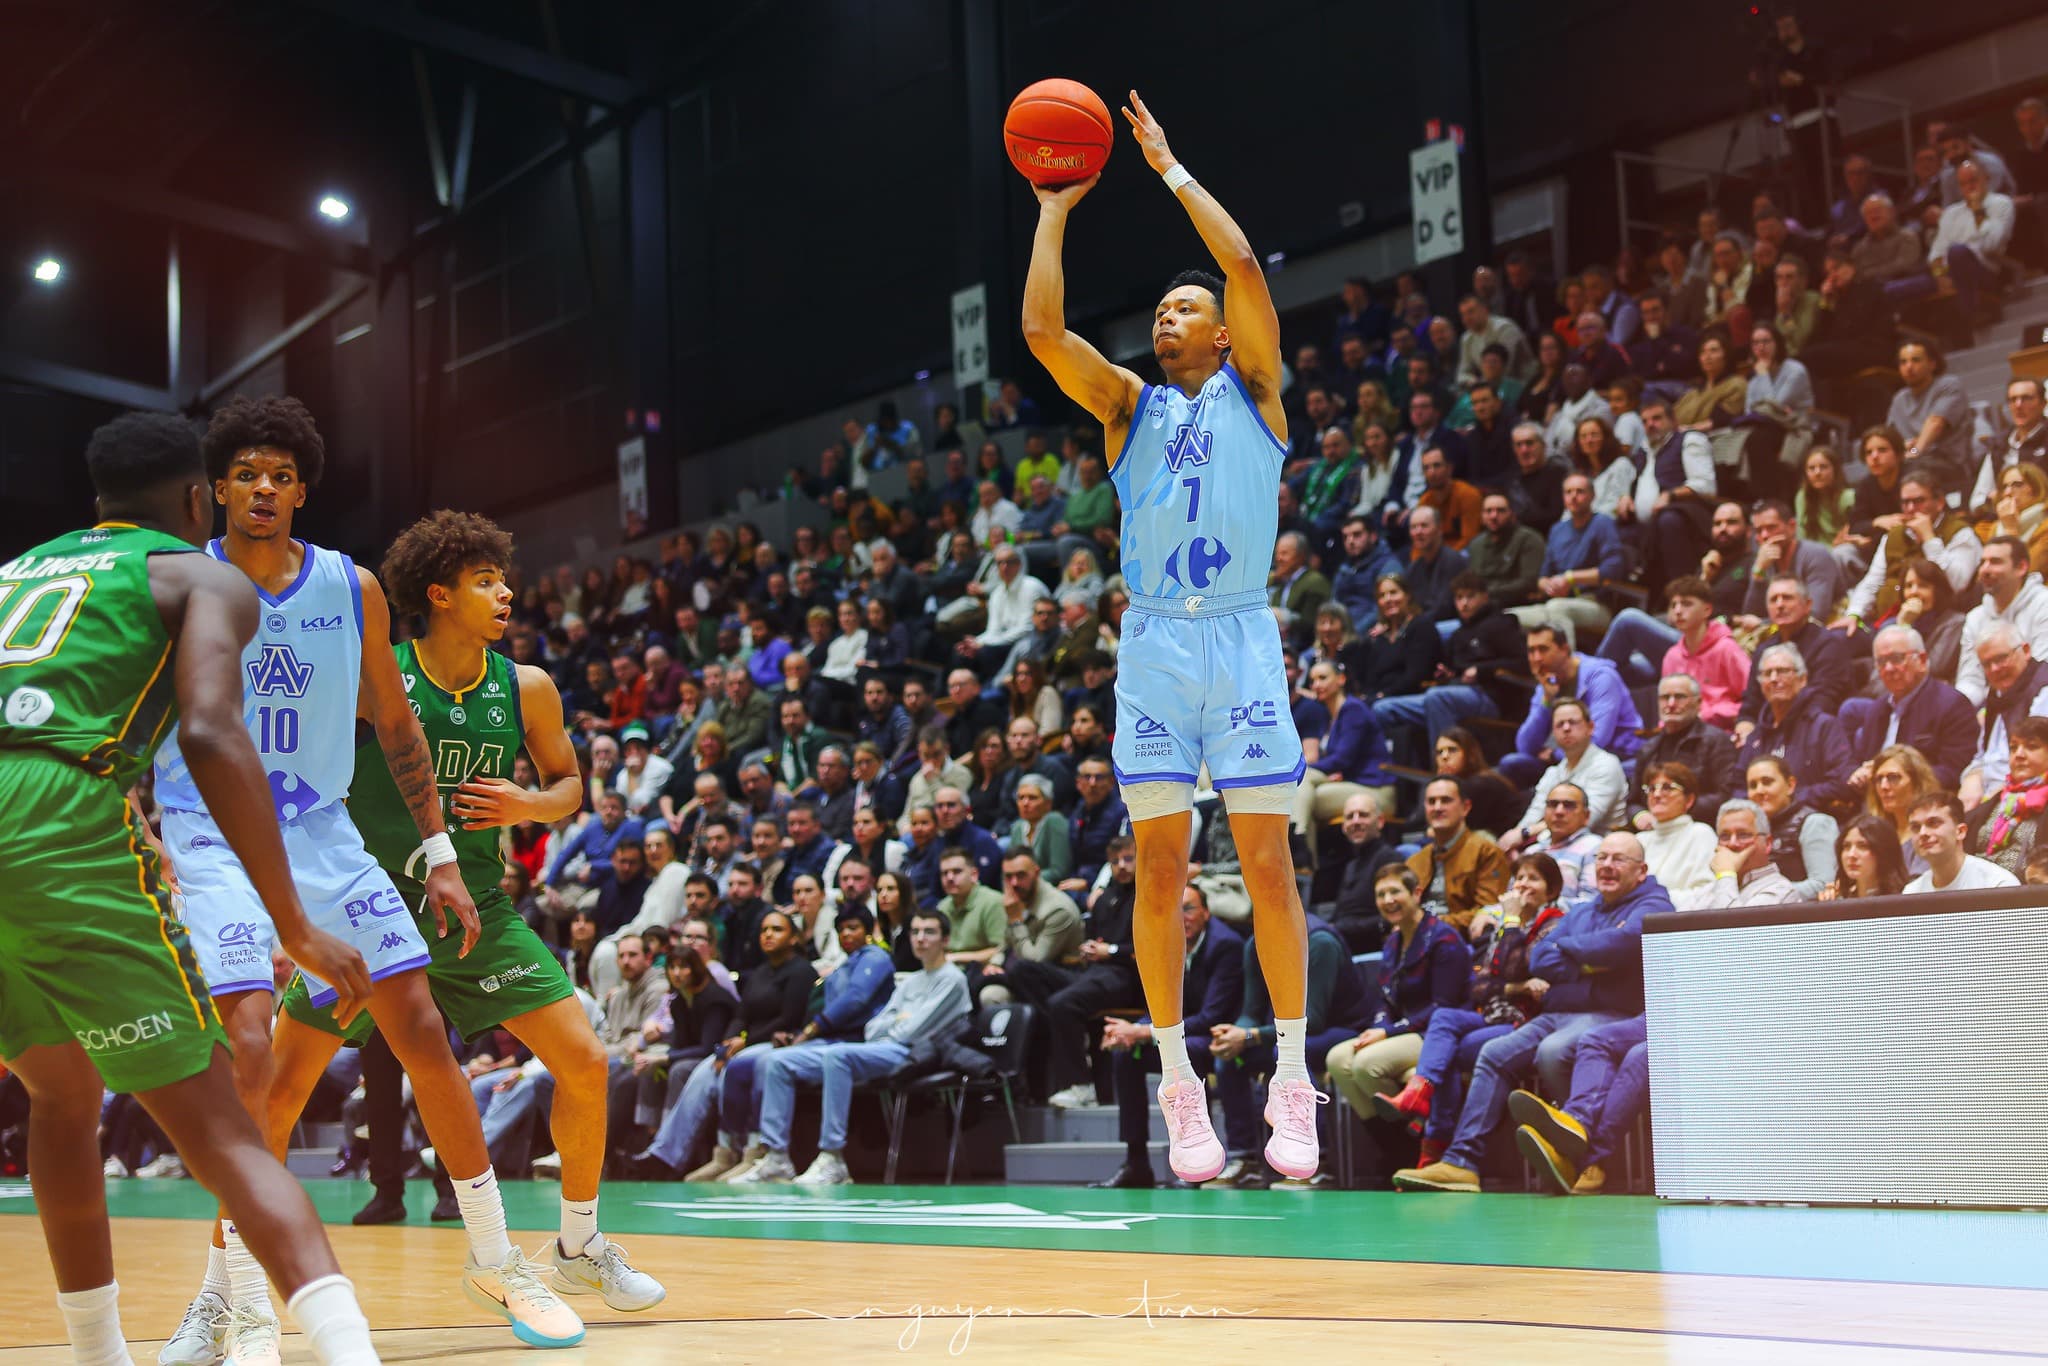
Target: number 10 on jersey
x,y
277,730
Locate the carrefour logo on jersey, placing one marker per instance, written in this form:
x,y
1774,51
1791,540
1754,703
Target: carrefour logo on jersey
x,y
279,670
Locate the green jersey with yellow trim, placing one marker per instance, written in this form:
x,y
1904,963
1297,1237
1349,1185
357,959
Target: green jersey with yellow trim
x,y
84,656
473,731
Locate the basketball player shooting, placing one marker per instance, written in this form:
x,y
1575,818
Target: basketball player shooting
x,y
1200,678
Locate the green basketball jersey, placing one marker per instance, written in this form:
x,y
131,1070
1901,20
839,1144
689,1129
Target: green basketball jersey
x,y
473,732
84,656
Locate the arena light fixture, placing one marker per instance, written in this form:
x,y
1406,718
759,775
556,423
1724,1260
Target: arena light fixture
x,y
334,207
48,270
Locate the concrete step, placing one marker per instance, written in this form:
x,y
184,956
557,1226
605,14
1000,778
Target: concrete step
x,y
1071,1164
1082,1124
314,1148
309,1162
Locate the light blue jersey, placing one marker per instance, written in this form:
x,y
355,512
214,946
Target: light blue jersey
x,y
1200,677
302,669
1199,479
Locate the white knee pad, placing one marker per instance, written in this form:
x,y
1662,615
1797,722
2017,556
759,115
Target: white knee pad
x,y
1269,799
1148,801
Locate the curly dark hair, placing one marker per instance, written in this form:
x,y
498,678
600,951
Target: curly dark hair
x,y
281,421
440,548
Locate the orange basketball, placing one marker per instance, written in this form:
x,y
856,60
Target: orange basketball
x,y
1058,132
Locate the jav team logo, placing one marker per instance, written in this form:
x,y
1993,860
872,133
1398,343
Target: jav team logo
x,y
279,670
1190,446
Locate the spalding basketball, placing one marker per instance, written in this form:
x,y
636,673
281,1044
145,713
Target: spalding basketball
x,y
1058,132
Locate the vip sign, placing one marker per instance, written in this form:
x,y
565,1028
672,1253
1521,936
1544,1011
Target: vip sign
x,y
1433,190
970,336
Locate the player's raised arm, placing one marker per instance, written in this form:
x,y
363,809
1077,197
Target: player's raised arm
x,y
1254,326
412,766
211,610
1083,373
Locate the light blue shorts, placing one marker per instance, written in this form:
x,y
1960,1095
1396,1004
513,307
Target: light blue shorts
x,y
1212,689
344,892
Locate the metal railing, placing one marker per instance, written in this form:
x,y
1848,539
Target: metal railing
x,y
1766,125
1903,172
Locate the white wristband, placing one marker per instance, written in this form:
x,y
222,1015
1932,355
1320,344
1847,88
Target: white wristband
x,y
439,849
1176,176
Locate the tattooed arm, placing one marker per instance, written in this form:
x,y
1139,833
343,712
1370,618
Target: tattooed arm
x,y
405,753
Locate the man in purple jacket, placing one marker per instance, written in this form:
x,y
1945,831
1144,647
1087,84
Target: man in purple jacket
x,y
1593,962
1560,671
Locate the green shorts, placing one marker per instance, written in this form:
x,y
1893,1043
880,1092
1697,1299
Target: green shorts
x,y
90,950
507,974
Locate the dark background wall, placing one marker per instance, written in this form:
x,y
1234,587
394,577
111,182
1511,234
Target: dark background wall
x,y
827,172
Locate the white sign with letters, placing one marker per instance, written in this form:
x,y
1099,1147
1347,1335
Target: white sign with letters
x,y
970,336
633,483
1433,189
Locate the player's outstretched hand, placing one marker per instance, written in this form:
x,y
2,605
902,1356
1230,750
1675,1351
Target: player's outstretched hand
x,y
338,964
445,893
482,803
1151,137
1065,196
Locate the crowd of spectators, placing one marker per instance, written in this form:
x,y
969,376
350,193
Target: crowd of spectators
x,y
1582,620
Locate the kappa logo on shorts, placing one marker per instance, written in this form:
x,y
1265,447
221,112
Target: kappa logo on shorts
x,y
383,902
1256,751
508,976
391,941
238,934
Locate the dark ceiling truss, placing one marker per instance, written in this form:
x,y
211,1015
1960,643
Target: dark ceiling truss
x,y
562,75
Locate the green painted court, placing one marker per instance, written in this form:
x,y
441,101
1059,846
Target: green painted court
x,y
1985,1249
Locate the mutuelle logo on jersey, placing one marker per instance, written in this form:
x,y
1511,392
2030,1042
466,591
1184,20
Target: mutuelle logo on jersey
x,y
279,670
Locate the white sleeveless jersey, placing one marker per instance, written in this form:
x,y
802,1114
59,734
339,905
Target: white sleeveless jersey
x,y
301,674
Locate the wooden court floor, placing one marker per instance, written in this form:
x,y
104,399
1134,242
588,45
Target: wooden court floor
x,y
810,1288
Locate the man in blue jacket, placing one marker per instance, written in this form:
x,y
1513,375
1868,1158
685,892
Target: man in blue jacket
x,y
1593,962
1583,550
1560,671
1214,988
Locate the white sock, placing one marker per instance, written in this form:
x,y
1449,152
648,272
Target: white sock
x,y
217,1272
248,1288
1172,1041
754,1140
579,1225
483,1218
327,1313
92,1320
732,1141
1293,1038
